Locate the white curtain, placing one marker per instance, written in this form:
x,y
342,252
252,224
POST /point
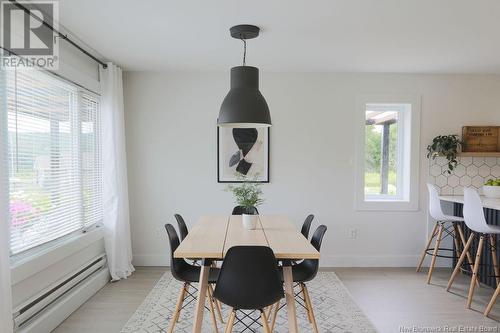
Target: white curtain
x,y
5,287
115,190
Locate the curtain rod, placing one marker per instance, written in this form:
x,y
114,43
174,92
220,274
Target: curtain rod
x,y
60,35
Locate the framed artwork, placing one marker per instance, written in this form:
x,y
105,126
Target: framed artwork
x,y
242,152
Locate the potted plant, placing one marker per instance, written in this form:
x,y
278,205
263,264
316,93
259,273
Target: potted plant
x,y
248,195
447,146
491,188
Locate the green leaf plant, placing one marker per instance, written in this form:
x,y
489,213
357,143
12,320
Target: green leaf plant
x,y
447,146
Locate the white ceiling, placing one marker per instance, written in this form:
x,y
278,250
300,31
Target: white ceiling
x,y
418,36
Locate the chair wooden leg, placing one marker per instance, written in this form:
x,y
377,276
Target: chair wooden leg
x,y
230,321
265,323
469,256
475,270
178,307
492,301
187,285
460,261
275,314
218,308
269,311
310,310
424,252
302,287
212,311
434,254
494,257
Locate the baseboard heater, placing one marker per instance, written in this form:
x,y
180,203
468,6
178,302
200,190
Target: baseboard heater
x,y
29,309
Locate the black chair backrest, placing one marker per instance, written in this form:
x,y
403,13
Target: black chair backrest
x,y
306,226
312,265
317,237
249,278
183,230
177,265
239,210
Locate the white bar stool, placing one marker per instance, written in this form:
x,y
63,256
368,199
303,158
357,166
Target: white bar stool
x,y
441,218
476,222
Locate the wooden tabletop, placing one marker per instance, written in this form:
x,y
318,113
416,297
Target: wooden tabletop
x,y
213,236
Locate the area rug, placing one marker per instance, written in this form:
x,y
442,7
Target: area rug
x,y
333,306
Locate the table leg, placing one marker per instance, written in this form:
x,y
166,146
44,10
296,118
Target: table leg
x,y
202,292
290,297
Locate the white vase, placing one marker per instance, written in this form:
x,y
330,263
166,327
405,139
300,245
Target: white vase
x,y
491,191
249,221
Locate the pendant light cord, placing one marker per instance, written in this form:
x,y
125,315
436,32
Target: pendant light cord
x,y
244,51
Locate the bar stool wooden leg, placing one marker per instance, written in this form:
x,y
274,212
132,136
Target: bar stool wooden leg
x,y
422,257
492,301
474,272
230,321
265,323
469,256
310,309
494,258
178,308
434,254
460,261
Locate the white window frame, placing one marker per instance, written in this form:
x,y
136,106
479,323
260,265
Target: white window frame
x,y
409,165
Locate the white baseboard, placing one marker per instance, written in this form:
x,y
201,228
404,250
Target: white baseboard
x,y
376,261
55,314
326,261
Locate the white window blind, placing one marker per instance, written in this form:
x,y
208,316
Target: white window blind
x,y
54,161
91,160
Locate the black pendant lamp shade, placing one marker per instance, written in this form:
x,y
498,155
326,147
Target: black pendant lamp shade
x,y
244,106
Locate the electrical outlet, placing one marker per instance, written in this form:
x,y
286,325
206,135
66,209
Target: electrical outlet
x,y
353,233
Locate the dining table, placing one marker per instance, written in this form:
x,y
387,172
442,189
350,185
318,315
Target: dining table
x,y
212,236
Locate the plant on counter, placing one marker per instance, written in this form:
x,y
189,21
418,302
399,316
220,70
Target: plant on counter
x,y
493,182
247,194
447,146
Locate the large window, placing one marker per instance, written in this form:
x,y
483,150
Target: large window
x,y
387,153
54,158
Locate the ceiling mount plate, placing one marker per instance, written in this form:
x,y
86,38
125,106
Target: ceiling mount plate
x,y
244,31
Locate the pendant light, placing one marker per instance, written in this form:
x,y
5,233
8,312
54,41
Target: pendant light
x,y
244,106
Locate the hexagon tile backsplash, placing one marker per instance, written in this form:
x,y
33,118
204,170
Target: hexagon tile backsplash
x,y
469,172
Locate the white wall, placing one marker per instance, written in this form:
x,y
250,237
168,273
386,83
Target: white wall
x,y
171,147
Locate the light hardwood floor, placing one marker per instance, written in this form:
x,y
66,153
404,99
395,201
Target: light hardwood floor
x,y
390,297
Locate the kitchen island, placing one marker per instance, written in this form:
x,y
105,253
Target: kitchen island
x,y
492,214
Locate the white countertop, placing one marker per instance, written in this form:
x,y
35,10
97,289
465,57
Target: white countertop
x,y
487,202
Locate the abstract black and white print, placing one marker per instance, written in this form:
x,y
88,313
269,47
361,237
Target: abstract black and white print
x,y
243,152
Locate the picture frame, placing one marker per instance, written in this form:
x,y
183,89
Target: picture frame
x,y
243,152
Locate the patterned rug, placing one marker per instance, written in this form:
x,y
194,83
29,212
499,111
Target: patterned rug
x,y
334,309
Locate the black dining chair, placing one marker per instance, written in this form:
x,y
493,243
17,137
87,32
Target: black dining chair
x,y
189,274
306,226
183,230
239,210
249,280
302,273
